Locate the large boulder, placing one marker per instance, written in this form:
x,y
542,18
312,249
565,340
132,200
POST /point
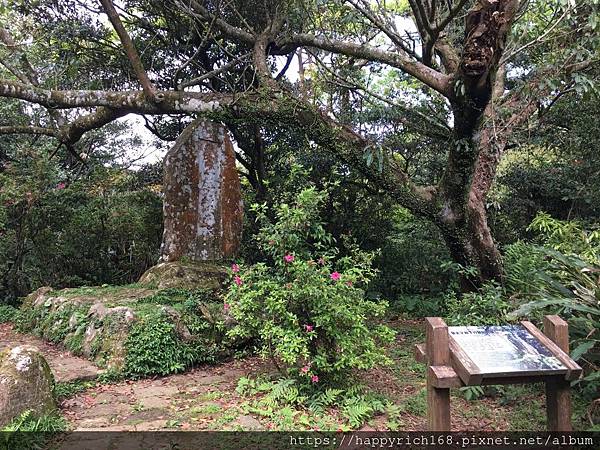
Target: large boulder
x,y
26,383
202,204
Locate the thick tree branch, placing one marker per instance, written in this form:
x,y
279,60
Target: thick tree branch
x,y
130,50
201,12
174,102
29,129
431,77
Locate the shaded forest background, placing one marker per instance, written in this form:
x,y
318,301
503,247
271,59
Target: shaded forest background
x,y
76,210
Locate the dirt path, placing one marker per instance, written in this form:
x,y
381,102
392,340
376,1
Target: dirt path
x,y
64,365
200,399
205,398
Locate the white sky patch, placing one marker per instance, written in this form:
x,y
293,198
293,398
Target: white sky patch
x,y
148,152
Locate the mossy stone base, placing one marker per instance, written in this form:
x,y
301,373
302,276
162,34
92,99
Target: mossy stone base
x,y
125,328
185,275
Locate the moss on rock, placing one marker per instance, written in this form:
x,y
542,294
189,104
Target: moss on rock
x,y
26,383
186,275
131,330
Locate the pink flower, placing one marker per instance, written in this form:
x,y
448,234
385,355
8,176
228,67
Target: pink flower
x,y
335,276
305,369
226,307
235,268
308,328
288,258
237,280
349,283
314,379
321,261
61,185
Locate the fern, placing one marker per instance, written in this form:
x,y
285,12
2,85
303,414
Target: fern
x,y
357,411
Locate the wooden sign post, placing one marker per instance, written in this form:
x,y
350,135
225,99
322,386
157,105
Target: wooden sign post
x,y
511,354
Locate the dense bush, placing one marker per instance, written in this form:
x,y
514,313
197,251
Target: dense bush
x,y
543,280
410,260
306,307
570,287
488,306
155,347
102,228
7,313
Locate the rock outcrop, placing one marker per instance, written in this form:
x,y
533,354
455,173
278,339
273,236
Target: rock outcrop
x,y
26,383
203,209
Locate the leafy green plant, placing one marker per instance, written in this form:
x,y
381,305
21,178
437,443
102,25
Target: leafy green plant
x,y
472,392
488,306
68,389
288,403
570,287
30,431
154,346
567,236
307,309
8,313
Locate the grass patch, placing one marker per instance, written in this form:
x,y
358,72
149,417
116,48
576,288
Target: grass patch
x,y
205,410
417,404
69,389
31,431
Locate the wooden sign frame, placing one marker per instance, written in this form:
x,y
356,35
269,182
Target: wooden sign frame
x,y
449,366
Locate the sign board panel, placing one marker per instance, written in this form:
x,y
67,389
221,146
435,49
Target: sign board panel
x,y
506,351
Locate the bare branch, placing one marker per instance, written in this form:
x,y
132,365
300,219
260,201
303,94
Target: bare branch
x,y
29,129
387,30
130,50
431,77
200,11
214,72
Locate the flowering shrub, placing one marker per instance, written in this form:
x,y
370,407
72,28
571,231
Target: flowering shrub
x,y
307,307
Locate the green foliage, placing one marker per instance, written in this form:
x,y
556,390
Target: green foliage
x,y
410,260
31,431
172,329
568,286
488,306
419,305
290,404
524,265
307,309
8,313
155,347
417,404
68,389
567,236
472,392
29,421
544,280
102,228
